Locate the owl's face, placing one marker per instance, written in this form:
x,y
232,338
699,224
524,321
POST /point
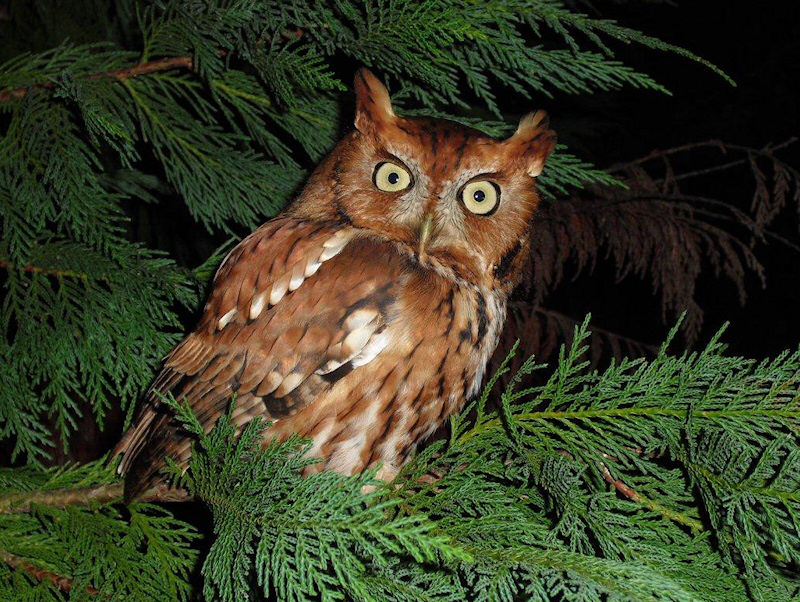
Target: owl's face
x,y
452,198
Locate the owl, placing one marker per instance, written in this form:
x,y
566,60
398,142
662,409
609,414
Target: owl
x,y
364,314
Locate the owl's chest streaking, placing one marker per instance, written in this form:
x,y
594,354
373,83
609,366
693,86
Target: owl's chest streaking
x,y
421,354
329,333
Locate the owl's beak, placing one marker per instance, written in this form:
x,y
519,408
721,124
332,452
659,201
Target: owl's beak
x,y
425,231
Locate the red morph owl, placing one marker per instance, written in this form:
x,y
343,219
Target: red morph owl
x,y
364,314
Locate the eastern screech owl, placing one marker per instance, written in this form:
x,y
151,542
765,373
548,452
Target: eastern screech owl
x,y
365,314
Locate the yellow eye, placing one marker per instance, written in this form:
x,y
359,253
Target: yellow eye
x,y
390,177
480,197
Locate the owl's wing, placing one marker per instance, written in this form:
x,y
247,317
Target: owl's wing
x,y
287,316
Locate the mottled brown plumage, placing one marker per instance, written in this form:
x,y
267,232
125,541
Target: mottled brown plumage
x,y
365,314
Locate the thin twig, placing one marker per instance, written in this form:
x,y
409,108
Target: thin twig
x,y
33,269
165,64
556,315
723,146
176,62
707,170
619,485
695,525
60,581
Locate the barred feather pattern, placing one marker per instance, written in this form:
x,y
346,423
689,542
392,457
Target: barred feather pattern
x,y
362,351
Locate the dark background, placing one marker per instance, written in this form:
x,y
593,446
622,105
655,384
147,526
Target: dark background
x,y
757,45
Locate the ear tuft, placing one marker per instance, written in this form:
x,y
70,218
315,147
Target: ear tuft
x,y
533,141
373,107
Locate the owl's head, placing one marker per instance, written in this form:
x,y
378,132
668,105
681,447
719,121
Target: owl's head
x,y
450,197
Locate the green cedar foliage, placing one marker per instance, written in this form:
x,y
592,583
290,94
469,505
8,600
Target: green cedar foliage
x,y
61,524
670,479
674,479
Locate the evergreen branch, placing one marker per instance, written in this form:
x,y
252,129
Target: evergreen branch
x,y
556,16
633,225
585,415
605,573
21,502
154,66
746,488
679,517
43,575
628,492
46,271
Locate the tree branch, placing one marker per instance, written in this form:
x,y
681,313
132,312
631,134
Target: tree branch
x,y
766,152
60,581
165,64
21,502
17,503
695,525
33,269
722,146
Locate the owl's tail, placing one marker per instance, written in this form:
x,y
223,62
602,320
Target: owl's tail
x,y
154,435
143,449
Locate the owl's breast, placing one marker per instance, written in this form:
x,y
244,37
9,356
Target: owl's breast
x,y
427,357
339,338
